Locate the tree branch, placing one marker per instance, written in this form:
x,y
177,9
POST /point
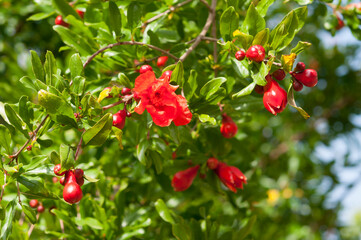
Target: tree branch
x,y
123,100
204,39
202,34
16,155
206,3
171,9
128,43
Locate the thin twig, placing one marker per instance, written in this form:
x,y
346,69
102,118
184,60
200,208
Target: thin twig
x,y
16,155
171,9
146,61
211,14
206,3
17,184
128,43
33,226
123,100
3,188
214,35
204,39
274,63
78,148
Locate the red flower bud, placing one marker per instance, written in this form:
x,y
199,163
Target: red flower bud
x,y
279,74
40,208
240,55
300,67
72,192
183,180
274,98
59,21
145,68
307,77
340,23
297,86
57,169
119,119
80,12
230,176
256,53
212,163
162,61
34,203
229,127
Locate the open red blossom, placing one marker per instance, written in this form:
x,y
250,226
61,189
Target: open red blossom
x,y
230,176
157,96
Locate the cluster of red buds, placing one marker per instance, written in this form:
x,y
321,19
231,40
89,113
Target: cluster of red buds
x,y
72,180
302,76
34,203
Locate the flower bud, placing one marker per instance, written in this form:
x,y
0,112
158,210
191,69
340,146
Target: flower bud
x,y
183,180
256,53
229,127
230,176
308,77
274,98
119,119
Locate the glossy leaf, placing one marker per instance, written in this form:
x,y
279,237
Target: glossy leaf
x,y
115,19
178,74
211,87
50,68
254,22
29,213
37,66
15,120
228,23
291,101
6,226
75,66
66,157
5,138
164,212
301,46
259,73
64,8
98,134
245,91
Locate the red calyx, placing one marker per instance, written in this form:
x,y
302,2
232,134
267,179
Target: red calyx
x,y
308,77
119,119
29,148
59,21
212,163
274,98
162,61
126,91
297,86
300,67
33,203
72,192
240,55
62,180
57,169
229,127
230,176
145,68
279,74
182,180
80,12
40,208
256,53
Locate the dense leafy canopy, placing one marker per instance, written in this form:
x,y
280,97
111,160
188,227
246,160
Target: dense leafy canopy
x,y
60,97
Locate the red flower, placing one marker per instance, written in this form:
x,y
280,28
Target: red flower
x,y
230,176
275,97
229,127
182,180
157,96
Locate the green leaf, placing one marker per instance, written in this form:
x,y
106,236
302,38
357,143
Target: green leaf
x,y
206,118
75,66
27,82
292,103
29,213
178,74
25,112
90,179
157,160
134,14
64,8
5,138
39,16
246,230
92,222
243,39
164,212
254,22
78,85
245,91
32,184
123,80
261,37
262,7
241,68
191,85
37,66
66,157
182,231
50,68
115,19
15,120
7,223
59,110
259,73
54,157
228,23
211,87
99,133
73,40
301,46
141,150
35,162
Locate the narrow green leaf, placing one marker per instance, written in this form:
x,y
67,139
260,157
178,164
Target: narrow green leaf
x,y
241,68
164,212
243,40
50,68
261,37
178,74
99,133
301,46
191,85
7,224
29,213
5,138
291,101
15,120
254,22
228,23
259,73
134,14
115,19
246,230
37,66
73,40
206,118
123,80
76,66
25,112
78,85
39,16
28,83
211,87
64,8
141,150
66,157
245,91
157,160
35,162
262,7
